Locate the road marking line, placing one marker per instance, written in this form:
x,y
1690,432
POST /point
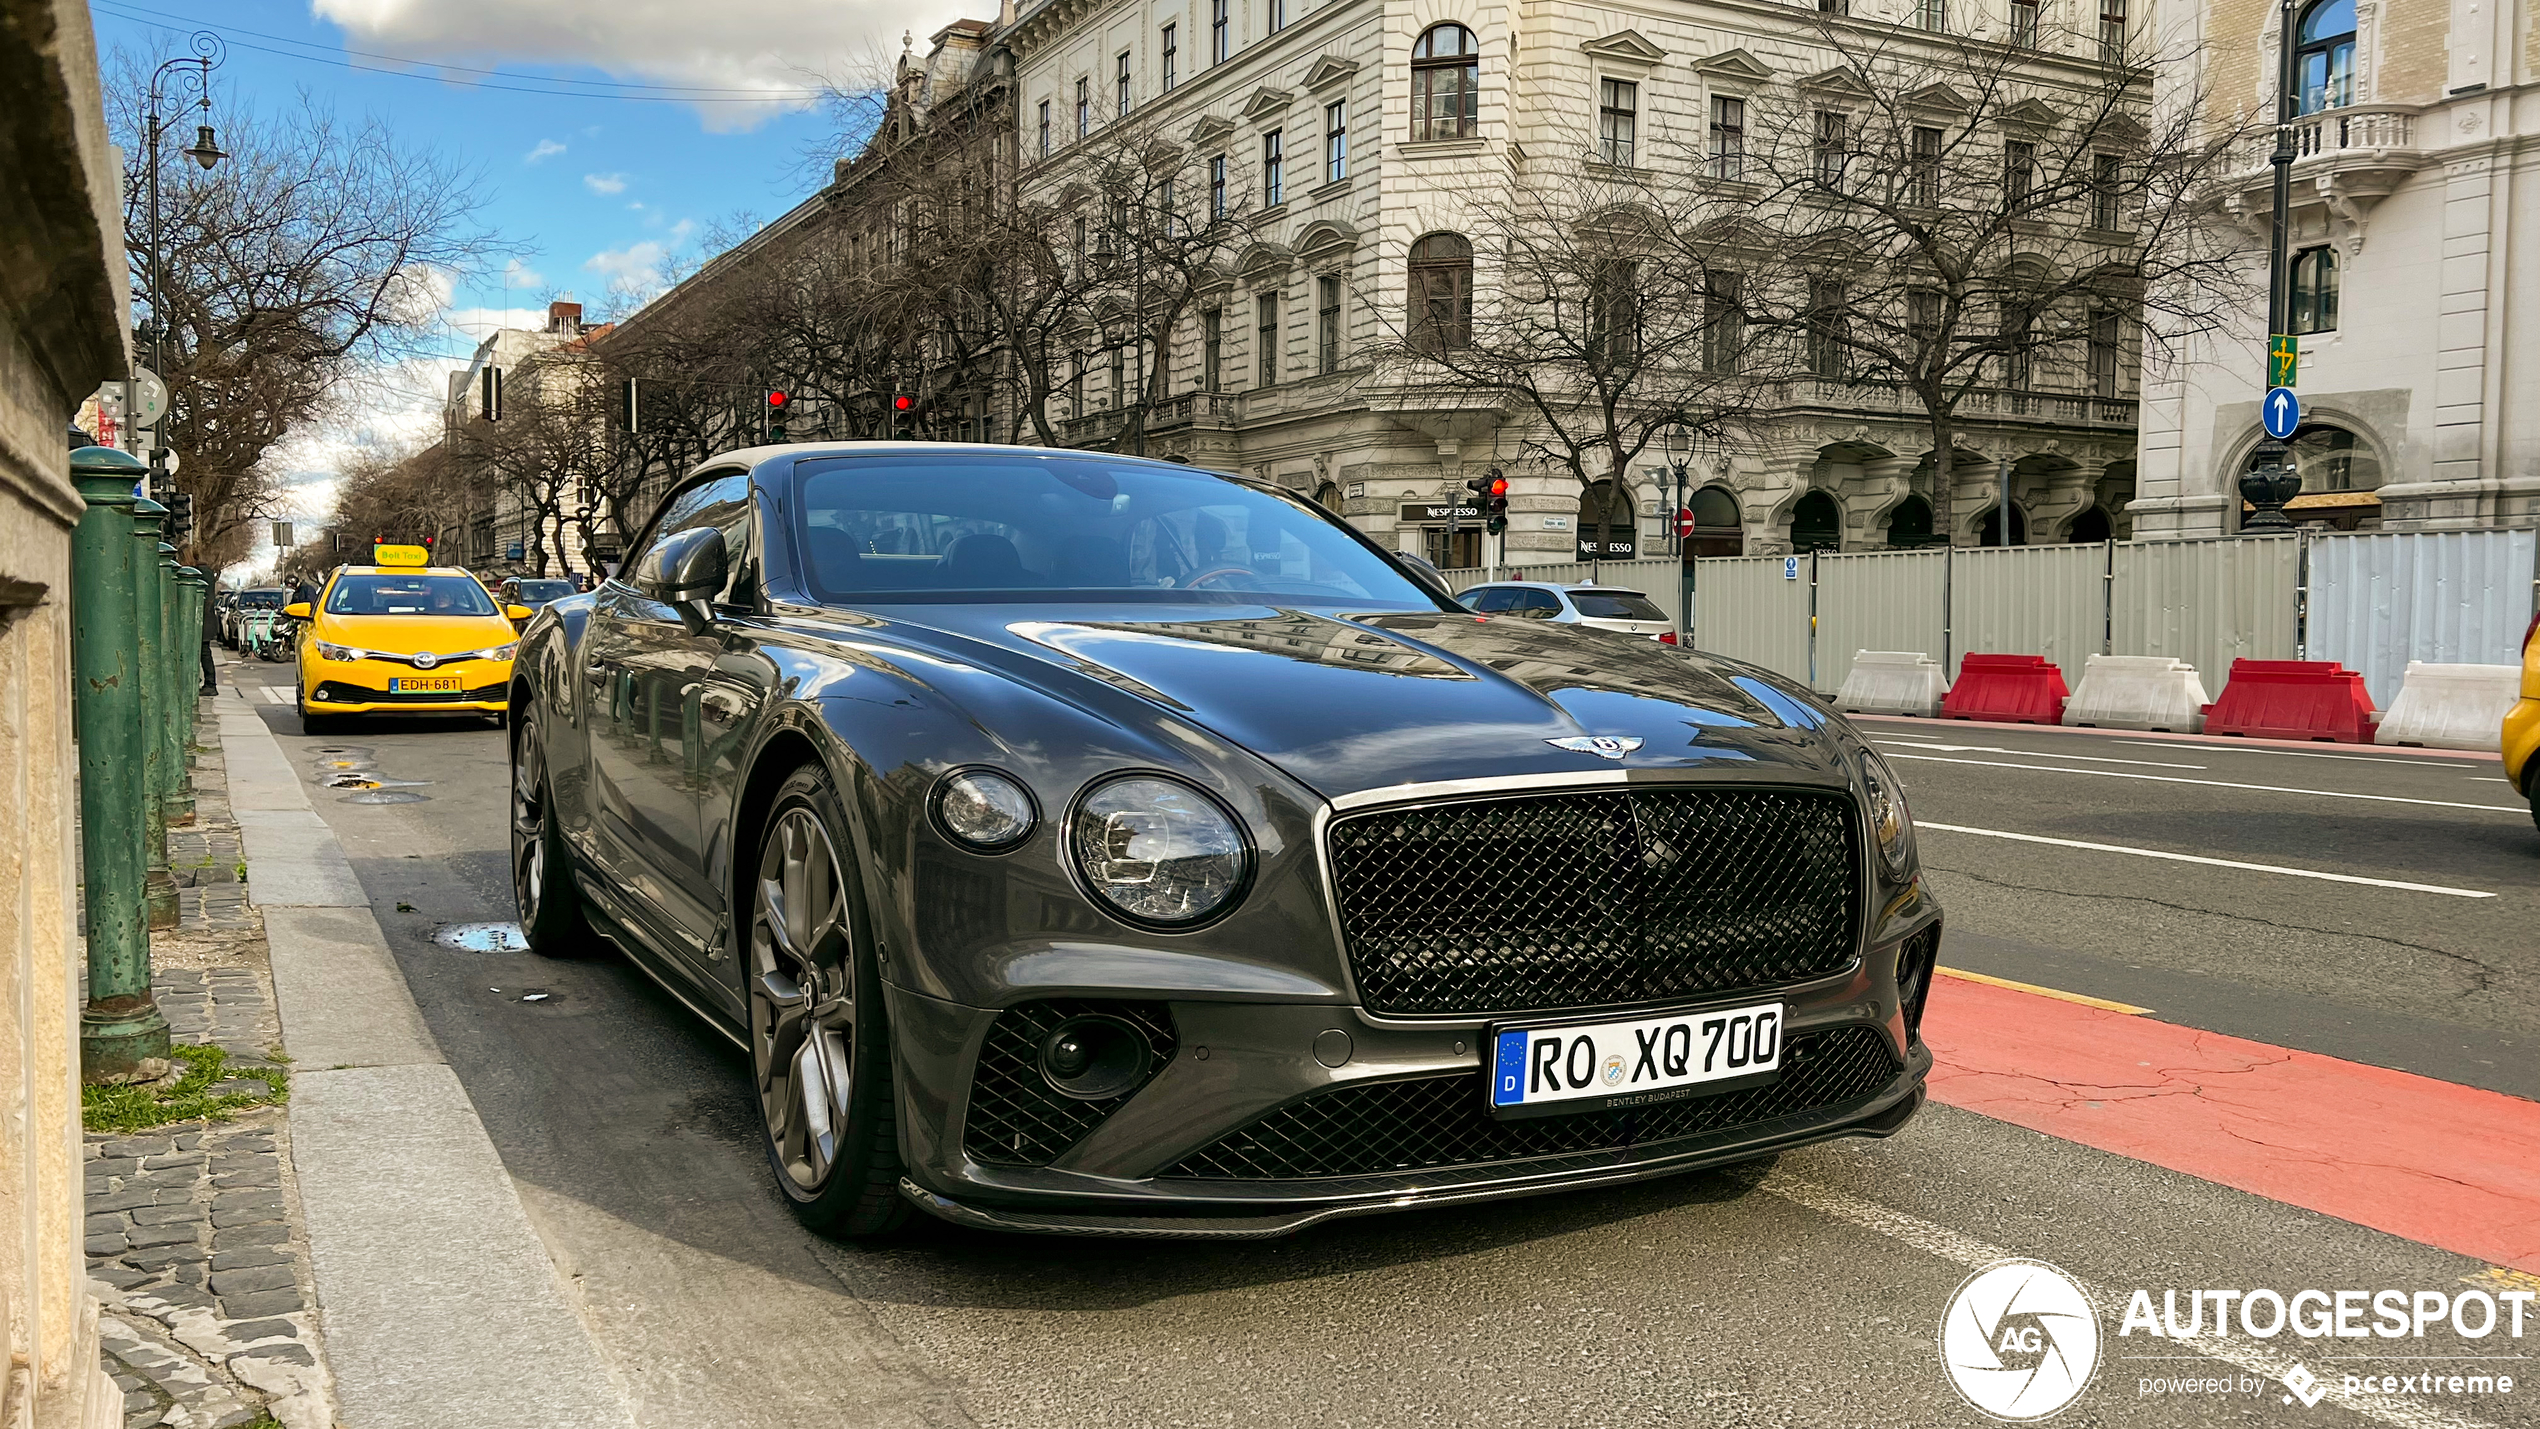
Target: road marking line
x,y
1966,1250
2211,862
276,695
2057,993
2034,754
2217,784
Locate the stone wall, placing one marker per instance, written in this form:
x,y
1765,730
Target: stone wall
x,y
62,310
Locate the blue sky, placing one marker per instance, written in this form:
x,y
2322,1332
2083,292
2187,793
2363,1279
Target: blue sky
x,y
612,137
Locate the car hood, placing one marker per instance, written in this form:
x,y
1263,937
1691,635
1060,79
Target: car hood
x,y
1347,702
414,634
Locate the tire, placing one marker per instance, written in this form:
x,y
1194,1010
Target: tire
x,y
310,724
834,1147
551,916
2531,781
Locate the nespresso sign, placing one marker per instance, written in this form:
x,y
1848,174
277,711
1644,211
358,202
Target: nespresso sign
x,y
1439,511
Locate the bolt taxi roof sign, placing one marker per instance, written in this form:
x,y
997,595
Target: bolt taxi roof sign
x,y
387,555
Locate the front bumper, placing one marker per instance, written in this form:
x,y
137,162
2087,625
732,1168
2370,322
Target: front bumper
x,y
342,687
1245,1075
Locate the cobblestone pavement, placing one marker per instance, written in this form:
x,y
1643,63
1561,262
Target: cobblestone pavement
x,y
195,1241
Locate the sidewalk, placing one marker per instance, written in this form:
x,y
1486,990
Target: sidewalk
x,y
196,1241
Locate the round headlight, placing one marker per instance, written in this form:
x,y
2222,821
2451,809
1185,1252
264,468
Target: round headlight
x,y
1891,826
1157,850
984,809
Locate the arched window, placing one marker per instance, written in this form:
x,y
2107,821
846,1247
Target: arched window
x,y
1816,523
1446,83
1441,315
1719,527
1909,525
2089,528
2331,459
1607,526
2324,56
1990,532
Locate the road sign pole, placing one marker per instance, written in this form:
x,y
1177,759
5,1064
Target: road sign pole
x,y
2271,480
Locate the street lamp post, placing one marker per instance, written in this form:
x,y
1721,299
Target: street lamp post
x,y
194,69
1680,456
2272,480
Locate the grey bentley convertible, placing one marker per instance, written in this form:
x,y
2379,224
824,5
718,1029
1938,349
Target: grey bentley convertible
x,y
1087,844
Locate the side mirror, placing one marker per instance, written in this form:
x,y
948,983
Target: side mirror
x,y
517,613
689,565
297,610
1424,575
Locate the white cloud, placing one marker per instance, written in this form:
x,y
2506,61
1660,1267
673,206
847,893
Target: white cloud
x,y
547,149
768,47
605,183
637,266
518,274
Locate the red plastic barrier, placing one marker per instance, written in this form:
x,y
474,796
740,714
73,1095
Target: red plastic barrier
x,y
2016,689
2293,699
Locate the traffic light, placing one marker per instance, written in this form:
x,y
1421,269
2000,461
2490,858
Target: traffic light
x,y
777,406
902,402
180,517
1480,487
1495,504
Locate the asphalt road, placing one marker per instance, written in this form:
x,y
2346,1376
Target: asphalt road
x,y
1809,1297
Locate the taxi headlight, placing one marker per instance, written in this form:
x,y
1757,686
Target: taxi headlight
x,y
341,652
1157,850
495,652
1891,825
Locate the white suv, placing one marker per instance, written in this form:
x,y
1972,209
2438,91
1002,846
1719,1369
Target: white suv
x,y
1605,607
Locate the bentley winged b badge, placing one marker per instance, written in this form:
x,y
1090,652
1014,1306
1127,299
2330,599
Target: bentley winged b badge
x,y
1609,746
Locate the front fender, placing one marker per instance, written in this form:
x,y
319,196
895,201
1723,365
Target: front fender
x,y
546,681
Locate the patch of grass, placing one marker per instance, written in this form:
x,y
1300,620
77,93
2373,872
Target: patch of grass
x,y
405,908
242,870
138,1108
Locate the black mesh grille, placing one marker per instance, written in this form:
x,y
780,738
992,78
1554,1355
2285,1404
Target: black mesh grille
x,y
341,693
1016,1117
1388,1127
1595,899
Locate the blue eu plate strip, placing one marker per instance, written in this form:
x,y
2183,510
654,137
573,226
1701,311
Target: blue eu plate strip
x,y
1508,1079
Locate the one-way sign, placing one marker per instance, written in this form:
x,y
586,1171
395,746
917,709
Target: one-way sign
x,y
2281,412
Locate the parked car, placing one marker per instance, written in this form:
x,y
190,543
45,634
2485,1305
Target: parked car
x,y
1086,844
533,594
2522,723
265,599
1604,607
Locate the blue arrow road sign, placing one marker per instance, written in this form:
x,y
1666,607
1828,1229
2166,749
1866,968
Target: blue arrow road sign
x,y
2281,413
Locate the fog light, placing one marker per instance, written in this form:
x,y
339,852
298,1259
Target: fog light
x,y
1095,1059
324,692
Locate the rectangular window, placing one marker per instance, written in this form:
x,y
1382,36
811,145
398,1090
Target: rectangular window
x,y
1217,188
2107,177
1834,7
1045,128
2019,346
1084,107
1922,317
1826,329
1212,349
1614,313
2103,353
1617,120
1327,324
2024,23
1336,141
1168,198
1723,322
1274,169
1728,137
1121,78
2315,290
1932,15
1172,52
1278,15
1922,169
2112,29
1834,147
2019,174
1217,27
1266,334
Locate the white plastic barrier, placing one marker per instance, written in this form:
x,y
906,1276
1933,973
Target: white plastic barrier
x,y
2138,692
1893,682
2451,706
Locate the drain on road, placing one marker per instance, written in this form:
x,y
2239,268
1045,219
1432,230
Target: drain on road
x,y
385,796
345,762
483,938
372,781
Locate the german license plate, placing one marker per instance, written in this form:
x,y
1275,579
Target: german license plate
x,y
423,684
1576,1067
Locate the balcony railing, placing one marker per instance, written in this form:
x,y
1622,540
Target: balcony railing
x,y
1193,409
2068,408
2358,129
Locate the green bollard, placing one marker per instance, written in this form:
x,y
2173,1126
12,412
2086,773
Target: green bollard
x,y
150,611
181,657
120,1027
189,666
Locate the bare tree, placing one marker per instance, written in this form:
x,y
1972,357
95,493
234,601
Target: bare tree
x,y
1958,220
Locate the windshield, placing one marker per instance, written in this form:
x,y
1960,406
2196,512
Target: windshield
x,y
540,592
1615,605
900,528
260,600
407,595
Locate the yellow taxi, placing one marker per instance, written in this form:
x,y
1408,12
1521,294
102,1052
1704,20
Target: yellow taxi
x,y
2522,723
403,637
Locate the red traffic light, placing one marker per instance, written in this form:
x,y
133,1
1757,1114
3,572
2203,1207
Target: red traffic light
x,y
902,404
1499,486
777,400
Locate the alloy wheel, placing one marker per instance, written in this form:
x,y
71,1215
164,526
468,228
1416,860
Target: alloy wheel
x,y
802,997
529,825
